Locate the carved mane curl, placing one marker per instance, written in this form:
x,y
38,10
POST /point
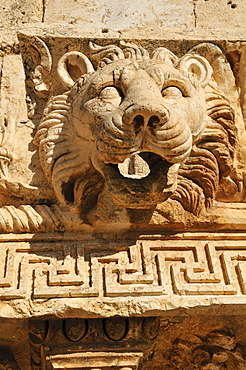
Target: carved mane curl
x,y
212,155
62,157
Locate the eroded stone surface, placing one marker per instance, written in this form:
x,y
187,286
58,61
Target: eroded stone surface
x,y
129,342
211,343
14,13
162,86
181,343
14,345
119,16
219,14
94,120
81,276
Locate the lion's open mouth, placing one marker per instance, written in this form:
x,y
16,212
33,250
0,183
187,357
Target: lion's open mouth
x,y
143,178
139,166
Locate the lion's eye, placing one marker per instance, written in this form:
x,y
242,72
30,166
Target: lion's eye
x,y
110,94
172,92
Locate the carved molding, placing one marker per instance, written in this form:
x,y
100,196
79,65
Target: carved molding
x,y
96,360
121,343
146,267
45,218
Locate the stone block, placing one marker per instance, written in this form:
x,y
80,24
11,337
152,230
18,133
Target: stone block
x,y
117,15
214,14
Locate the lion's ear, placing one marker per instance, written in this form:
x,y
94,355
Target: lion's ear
x,y
197,68
72,66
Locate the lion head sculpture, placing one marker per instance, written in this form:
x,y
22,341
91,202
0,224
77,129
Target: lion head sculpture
x,y
141,128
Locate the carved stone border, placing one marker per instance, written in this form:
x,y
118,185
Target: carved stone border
x,y
121,343
98,360
160,272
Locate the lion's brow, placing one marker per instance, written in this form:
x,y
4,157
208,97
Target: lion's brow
x,y
157,74
116,73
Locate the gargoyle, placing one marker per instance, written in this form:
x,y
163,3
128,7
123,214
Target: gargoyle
x,y
143,129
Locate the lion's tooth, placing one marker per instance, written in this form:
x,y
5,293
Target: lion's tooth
x,y
172,175
134,167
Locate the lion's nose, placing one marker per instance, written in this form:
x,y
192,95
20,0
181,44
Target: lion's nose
x,y
152,121
149,115
155,120
138,122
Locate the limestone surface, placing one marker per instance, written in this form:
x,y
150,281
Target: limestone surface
x,y
122,184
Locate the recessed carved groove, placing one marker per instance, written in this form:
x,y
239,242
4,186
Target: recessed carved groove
x,y
138,123
153,121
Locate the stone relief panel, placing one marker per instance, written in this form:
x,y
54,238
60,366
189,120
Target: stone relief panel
x,y
218,350
137,128
126,135
174,342
157,271
116,342
204,343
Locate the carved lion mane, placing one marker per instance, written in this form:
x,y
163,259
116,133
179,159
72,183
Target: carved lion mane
x,y
162,112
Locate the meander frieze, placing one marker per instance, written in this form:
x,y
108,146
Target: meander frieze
x,y
170,271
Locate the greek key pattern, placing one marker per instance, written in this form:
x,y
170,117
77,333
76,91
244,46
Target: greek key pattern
x,y
146,267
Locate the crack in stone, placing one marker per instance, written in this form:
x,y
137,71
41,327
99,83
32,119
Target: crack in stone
x,y
1,74
194,13
43,10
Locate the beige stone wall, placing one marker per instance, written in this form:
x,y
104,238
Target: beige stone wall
x,y
120,15
14,13
44,269
214,14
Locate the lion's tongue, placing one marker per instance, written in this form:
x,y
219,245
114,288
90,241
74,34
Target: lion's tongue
x,y
136,167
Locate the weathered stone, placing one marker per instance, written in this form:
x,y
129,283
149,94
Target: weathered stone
x,y
219,14
119,16
7,361
125,349
122,185
16,12
155,165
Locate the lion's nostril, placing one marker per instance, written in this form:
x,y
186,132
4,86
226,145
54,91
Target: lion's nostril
x,y
153,121
138,122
